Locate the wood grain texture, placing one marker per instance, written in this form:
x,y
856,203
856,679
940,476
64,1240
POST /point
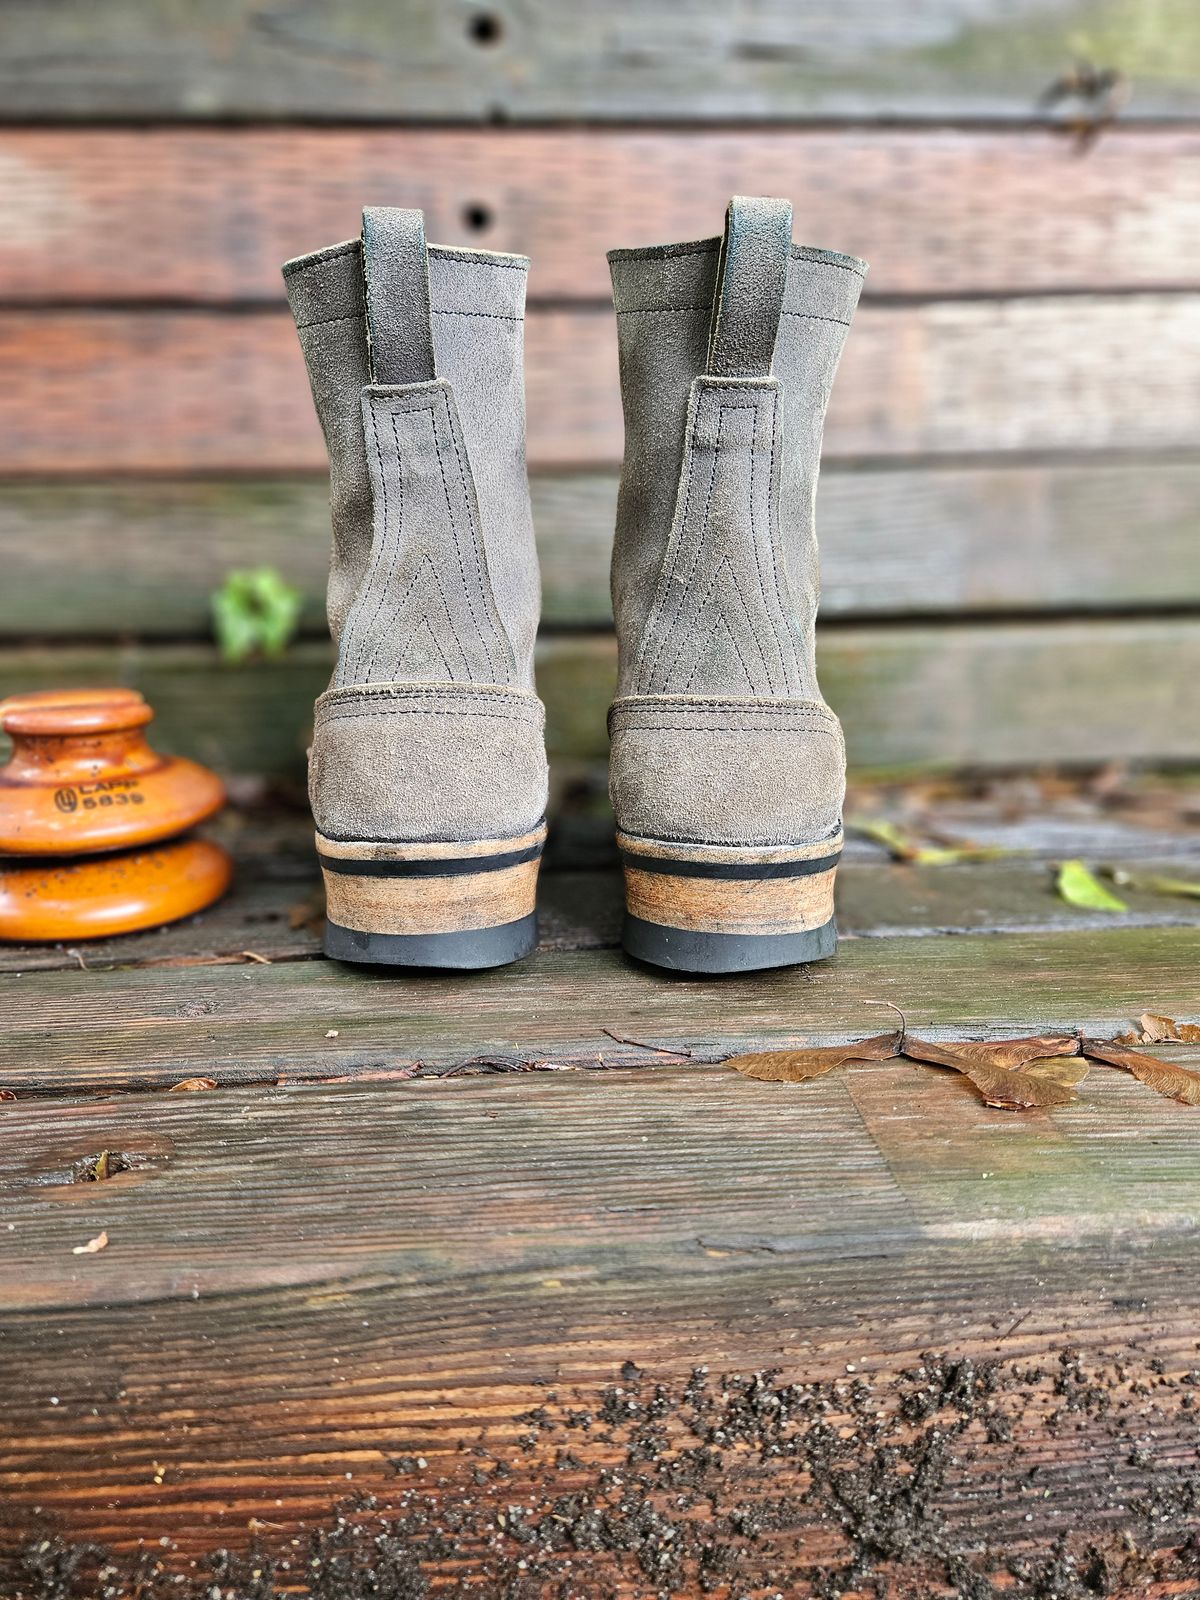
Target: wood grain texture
x,y
278,918
142,558
949,696
935,212
306,1290
202,391
369,59
152,1027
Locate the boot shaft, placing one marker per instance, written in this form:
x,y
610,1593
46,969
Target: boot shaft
x,y
427,773
728,350
415,360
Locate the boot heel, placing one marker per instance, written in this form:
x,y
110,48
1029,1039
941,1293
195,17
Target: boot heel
x,y
701,908
431,905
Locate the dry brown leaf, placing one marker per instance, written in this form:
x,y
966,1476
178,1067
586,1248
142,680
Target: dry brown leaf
x,y
192,1086
1160,1030
798,1066
1177,1083
92,1247
7,1094
1070,1071
1008,1053
993,1068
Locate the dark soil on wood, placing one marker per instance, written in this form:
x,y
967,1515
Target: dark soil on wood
x,y
896,1487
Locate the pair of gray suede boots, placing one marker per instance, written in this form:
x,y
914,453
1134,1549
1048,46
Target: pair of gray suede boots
x,y
428,769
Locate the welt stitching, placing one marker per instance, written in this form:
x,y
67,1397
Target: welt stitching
x,y
737,589
777,710
462,571
787,658
664,577
442,253
765,710
658,252
811,316
320,322
385,543
362,630
670,311
796,252
723,407
712,481
721,727
772,721
383,690
757,707
322,258
762,587
487,598
820,261
453,625
421,711
353,635
486,592
495,316
733,637
428,561
792,666
399,543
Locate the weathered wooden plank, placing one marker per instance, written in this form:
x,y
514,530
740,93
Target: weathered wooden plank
x,y
142,558
530,59
196,390
280,920
434,1292
150,1027
934,211
1007,694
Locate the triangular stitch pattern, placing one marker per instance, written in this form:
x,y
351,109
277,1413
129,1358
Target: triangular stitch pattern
x,y
686,620
428,602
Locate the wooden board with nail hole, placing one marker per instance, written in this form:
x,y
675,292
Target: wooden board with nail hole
x,y
509,61
935,211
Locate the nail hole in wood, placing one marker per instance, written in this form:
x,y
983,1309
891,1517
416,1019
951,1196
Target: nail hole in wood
x,y
477,217
484,29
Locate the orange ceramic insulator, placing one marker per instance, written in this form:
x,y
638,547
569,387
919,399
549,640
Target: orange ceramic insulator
x,y
82,777
118,893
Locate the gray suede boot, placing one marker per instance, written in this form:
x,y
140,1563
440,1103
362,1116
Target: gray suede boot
x,y
727,767
428,769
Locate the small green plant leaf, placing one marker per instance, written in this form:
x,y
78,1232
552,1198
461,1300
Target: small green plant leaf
x,y
1079,886
255,612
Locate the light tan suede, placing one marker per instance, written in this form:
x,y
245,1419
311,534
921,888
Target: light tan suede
x,y
728,351
431,728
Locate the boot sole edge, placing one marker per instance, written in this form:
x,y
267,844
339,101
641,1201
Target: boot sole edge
x,y
461,950
692,950
468,904
729,909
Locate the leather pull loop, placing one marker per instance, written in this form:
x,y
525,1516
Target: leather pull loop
x,y
396,269
751,278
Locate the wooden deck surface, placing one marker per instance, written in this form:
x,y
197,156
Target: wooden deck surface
x,y
463,1245
443,1288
